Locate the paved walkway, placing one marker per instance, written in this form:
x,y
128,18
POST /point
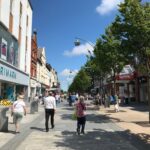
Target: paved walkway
x,y
101,133
135,119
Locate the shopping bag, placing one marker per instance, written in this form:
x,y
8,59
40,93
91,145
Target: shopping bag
x,y
74,116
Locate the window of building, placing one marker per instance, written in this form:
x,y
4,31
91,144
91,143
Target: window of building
x,y
10,22
34,55
20,11
11,17
27,21
19,36
11,5
26,43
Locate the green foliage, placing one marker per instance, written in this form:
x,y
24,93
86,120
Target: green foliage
x,y
128,35
132,29
80,83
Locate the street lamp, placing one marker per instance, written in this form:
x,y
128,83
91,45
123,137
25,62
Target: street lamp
x,y
77,43
69,76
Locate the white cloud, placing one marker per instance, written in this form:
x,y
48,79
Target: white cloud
x,y
106,6
69,73
66,77
80,50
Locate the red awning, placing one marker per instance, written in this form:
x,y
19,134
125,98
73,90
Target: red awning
x,y
130,76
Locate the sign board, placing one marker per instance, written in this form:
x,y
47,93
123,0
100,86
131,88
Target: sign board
x,y
11,75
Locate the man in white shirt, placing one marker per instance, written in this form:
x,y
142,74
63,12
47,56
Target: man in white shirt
x,y
50,107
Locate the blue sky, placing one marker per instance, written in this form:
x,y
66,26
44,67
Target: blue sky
x,y
58,22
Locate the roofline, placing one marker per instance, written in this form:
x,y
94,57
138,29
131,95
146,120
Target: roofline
x,y
30,4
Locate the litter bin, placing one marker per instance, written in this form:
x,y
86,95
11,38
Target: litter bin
x,y
3,119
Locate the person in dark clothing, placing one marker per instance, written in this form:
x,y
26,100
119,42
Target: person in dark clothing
x,y
50,107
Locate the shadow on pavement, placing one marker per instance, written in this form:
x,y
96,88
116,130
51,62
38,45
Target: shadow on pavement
x,y
113,111
9,131
68,108
137,107
104,140
37,128
143,123
93,118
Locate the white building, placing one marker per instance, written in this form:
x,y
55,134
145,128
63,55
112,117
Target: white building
x,y
54,83
42,71
15,49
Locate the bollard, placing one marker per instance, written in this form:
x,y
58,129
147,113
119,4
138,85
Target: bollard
x,y
34,107
3,119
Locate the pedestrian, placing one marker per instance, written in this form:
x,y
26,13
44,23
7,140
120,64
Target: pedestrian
x,y
116,102
36,98
70,99
107,100
80,113
18,110
57,97
50,108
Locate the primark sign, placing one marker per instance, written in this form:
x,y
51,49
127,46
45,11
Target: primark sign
x,y
7,72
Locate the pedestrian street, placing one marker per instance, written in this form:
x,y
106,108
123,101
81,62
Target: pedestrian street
x,y
100,133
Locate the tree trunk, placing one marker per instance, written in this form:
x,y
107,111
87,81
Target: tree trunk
x,y
148,95
114,91
148,86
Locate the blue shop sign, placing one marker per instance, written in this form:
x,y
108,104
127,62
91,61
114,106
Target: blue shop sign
x,y
7,73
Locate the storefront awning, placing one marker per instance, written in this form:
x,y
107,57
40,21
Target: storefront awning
x,y
128,73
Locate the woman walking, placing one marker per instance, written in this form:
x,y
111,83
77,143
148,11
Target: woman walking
x,y
80,112
18,110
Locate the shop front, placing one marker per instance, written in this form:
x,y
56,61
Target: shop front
x,y
33,84
12,81
38,88
126,81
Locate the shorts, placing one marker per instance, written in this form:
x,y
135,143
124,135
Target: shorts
x,y
17,116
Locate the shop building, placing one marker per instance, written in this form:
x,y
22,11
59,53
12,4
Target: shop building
x,y
42,71
15,47
33,77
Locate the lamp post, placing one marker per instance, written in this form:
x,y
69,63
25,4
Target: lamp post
x,y
78,43
69,76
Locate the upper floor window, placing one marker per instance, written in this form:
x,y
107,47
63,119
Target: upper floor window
x,y
26,43
20,11
11,5
10,22
27,21
19,36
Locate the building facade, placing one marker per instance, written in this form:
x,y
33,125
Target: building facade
x,y
15,47
42,71
33,76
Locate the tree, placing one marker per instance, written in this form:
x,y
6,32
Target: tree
x,y
80,83
132,29
107,55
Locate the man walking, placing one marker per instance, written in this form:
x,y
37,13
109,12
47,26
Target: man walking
x,y
50,107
